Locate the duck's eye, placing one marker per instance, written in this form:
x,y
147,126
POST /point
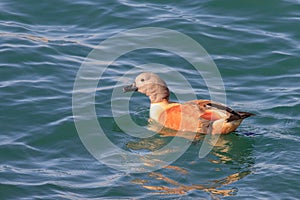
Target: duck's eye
x,y
142,80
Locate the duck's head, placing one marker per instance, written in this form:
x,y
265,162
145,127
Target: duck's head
x,y
151,85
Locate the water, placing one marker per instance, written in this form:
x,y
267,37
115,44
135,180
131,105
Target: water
x,y
43,44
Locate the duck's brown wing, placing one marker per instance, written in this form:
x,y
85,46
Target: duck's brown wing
x,y
213,111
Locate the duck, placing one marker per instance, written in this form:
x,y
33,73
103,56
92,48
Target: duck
x,y
198,116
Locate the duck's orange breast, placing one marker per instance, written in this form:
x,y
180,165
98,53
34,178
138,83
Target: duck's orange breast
x,y
175,118
185,117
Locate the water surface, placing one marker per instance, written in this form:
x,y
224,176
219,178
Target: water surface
x,y
255,46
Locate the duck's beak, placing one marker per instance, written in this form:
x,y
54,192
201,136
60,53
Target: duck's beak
x,y
129,88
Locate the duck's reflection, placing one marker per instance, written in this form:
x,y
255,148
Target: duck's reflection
x,y
230,153
178,188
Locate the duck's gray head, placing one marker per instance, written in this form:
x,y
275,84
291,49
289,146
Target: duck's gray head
x,y
151,85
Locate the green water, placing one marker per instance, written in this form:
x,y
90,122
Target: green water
x,y
255,45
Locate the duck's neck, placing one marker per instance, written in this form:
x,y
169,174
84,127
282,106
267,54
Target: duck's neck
x,y
156,93
163,101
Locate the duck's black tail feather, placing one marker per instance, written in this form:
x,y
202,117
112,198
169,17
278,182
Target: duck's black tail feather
x,y
234,115
239,115
244,115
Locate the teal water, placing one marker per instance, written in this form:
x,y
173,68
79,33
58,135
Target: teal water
x,y
256,46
